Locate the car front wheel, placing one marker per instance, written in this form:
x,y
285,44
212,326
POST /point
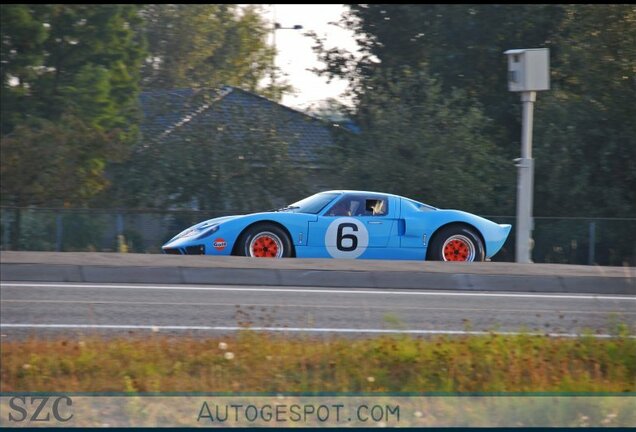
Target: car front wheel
x,y
265,241
456,243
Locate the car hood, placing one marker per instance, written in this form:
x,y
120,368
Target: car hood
x,y
217,220
201,226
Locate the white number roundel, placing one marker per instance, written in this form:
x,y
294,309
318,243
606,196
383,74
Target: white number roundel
x,y
346,238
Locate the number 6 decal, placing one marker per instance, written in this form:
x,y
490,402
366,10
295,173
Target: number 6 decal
x,y
346,238
341,237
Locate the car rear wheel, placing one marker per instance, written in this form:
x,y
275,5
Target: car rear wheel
x,y
456,243
265,241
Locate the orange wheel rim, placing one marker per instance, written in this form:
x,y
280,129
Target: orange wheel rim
x,y
266,245
458,248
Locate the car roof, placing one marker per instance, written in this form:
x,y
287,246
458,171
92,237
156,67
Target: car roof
x,y
359,192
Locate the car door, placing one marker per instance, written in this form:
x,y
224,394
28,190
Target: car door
x,y
354,224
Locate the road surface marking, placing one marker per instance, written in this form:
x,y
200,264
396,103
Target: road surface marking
x,y
326,291
157,328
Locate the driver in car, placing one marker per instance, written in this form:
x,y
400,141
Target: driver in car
x,y
342,208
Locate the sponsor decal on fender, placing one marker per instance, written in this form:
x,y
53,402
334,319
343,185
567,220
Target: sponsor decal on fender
x,y
219,244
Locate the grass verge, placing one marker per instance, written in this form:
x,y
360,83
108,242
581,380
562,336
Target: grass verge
x,y
257,362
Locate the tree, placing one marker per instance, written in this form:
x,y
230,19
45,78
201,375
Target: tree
x,y
417,141
462,44
69,63
586,119
21,57
69,99
71,59
54,163
200,47
330,110
206,46
49,163
231,155
585,128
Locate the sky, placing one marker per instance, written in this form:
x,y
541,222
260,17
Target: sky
x,y
295,55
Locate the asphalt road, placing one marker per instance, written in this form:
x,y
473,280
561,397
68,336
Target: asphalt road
x,y
46,309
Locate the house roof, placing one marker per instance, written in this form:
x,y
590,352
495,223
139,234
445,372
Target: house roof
x,y
237,112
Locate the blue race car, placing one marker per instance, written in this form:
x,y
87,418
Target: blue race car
x,y
347,224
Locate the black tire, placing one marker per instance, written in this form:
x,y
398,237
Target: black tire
x,y
265,241
461,243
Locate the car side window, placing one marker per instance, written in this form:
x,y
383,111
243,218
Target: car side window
x,y
376,207
342,207
359,206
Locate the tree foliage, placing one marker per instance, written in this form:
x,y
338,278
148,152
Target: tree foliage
x,y
206,46
431,105
228,156
417,141
54,163
69,98
584,128
75,71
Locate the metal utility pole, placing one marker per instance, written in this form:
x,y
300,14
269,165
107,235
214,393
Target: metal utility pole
x,y
528,72
525,182
277,26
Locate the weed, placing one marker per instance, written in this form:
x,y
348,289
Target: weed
x,y
260,362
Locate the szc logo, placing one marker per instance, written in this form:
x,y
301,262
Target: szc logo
x,y
38,408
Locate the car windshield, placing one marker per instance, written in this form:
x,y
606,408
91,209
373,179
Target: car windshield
x,y
313,204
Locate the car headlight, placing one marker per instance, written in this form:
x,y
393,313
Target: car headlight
x,y
199,231
207,231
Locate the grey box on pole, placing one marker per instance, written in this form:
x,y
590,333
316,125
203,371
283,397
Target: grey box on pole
x,y
528,69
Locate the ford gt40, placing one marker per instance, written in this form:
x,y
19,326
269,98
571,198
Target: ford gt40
x,y
348,225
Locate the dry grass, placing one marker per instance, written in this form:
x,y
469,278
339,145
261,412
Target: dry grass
x,y
253,362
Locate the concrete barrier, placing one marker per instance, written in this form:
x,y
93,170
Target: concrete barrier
x,y
169,269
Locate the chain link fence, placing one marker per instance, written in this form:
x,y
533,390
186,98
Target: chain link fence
x,y
564,240
576,240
